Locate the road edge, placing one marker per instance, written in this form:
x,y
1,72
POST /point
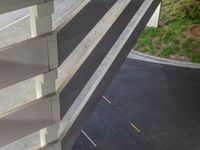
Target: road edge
x,y
148,58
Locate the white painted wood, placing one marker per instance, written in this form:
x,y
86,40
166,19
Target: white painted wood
x,y
154,21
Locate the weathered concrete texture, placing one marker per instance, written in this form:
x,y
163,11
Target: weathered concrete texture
x,y
31,142
16,95
21,30
24,91
11,17
15,33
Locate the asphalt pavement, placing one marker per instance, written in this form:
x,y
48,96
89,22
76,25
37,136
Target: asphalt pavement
x,y
153,107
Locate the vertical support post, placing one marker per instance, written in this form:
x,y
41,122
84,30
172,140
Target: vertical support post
x,y
41,18
154,21
41,23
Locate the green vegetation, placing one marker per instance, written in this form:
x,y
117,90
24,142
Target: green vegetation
x,y
191,8
178,33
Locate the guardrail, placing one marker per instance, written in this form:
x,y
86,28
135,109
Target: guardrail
x,y
87,58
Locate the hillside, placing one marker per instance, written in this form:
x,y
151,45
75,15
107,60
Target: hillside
x,y
178,34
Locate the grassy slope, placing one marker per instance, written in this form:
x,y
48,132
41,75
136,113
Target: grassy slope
x,y
173,38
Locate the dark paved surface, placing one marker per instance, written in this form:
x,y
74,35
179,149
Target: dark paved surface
x,y
162,101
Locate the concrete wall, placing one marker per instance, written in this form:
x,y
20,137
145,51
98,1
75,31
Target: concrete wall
x,y
154,21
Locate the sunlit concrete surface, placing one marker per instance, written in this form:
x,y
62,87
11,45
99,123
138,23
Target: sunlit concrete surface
x,y
15,27
24,91
21,29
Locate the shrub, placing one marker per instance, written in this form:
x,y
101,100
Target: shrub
x,y
169,50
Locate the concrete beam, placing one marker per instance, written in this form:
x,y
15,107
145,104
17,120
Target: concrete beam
x,y
154,21
85,48
41,18
24,60
41,23
10,5
25,120
87,100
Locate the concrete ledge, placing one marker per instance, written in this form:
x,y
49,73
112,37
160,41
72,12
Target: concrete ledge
x,y
86,47
25,120
17,59
10,5
24,60
144,57
67,17
87,100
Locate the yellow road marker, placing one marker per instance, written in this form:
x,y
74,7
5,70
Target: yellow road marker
x,y
107,100
135,128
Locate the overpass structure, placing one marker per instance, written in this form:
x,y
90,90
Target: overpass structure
x,y
73,65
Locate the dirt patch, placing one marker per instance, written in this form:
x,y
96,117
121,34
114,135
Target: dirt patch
x,y
195,31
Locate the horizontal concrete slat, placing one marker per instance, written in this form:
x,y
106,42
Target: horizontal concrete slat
x,y
81,77
75,31
86,102
25,120
102,81
103,84
10,5
23,60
